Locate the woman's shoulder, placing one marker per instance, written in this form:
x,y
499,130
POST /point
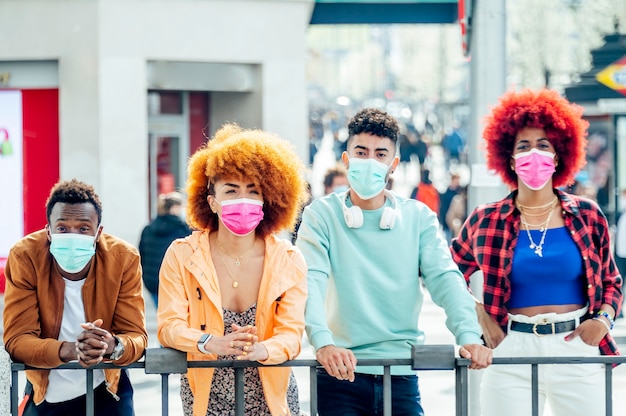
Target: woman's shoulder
x,y
191,242
581,206
489,214
279,248
276,244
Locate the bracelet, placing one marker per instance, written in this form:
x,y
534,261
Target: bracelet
x,y
608,328
607,316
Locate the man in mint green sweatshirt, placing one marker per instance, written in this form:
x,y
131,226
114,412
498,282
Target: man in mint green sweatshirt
x,y
365,249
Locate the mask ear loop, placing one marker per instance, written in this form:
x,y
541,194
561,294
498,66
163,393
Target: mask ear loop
x,y
98,234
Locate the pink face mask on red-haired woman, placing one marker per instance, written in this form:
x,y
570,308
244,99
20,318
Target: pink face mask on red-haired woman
x,y
535,168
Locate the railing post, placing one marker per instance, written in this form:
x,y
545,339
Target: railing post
x,y
608,388
89,393
387,391
5,382
240,403
165,395
313,390
535,388
461,389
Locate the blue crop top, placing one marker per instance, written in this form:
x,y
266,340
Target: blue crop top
x,y
554,279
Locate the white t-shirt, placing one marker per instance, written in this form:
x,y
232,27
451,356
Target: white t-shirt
x,y
64,385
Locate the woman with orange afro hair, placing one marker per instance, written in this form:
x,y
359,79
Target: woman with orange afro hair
x,y
233,290
551,287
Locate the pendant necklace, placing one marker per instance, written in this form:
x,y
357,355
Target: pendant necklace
x,y
238,259
238,263
538,247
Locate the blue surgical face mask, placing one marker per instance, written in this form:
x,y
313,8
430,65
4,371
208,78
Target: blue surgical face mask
x,y
367,177
339,189
72,251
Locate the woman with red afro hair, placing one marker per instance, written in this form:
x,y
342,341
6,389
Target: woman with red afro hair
x,y
551,287
233,290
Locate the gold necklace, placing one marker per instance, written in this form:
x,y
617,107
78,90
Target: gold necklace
x,y
238,263
519,205
535,214
528,224
538,247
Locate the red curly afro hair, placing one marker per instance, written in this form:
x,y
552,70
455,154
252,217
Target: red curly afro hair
x,y
263,158
544,109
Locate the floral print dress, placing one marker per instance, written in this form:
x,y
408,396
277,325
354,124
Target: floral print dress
x,y
222,396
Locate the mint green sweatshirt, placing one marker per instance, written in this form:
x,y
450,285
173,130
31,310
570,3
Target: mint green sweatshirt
x,y
364,288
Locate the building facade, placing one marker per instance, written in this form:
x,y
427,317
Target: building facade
x,y
119,93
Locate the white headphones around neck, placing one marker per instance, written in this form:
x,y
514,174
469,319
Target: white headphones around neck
x,y
353,216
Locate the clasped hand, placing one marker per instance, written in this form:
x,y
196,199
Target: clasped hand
x,y
93,343
243,343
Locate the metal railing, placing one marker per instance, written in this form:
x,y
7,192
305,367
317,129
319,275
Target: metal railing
x,y
166,361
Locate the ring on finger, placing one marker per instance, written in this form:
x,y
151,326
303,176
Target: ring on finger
x,y
232,344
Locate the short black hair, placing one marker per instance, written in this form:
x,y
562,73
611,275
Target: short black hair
x,y
73,192
374,121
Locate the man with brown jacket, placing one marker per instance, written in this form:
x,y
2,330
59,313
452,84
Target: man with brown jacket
x,y
74,293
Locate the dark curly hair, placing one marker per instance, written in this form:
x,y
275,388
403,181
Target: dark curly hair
x,y
73,192
373,121
545,109
263,158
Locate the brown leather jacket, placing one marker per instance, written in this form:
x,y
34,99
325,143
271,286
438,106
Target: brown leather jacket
x,y
33,304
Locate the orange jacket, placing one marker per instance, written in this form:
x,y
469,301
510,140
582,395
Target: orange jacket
x,y
187,271
429,195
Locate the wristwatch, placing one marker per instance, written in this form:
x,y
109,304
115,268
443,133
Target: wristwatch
x,y
118,351
204,339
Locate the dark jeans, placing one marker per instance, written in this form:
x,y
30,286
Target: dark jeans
x,y
364,396
104,403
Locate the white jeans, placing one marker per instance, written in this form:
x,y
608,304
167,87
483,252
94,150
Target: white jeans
x,y
570,390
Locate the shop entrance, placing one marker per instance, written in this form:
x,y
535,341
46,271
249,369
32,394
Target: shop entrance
x,y
168,143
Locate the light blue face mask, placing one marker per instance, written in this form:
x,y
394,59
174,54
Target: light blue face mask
x,y
72,251
367,177
339,189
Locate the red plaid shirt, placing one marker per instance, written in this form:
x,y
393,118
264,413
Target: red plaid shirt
x,y
489,236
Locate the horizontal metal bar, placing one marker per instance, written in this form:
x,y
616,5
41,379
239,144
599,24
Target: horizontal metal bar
x,y
459,362
166,361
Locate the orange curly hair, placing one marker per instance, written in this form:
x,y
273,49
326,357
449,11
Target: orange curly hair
x,y
261,157
547,110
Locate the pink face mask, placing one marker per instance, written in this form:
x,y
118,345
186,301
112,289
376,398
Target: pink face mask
x,y
535,168
241,216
